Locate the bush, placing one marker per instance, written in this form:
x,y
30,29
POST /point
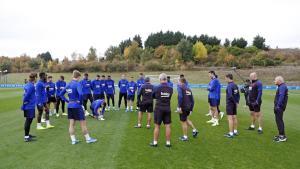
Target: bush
x,y
236,51
154,66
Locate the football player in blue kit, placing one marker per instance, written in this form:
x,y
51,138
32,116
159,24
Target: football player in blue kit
x,y
75,109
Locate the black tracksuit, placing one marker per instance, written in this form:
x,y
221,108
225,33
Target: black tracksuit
x,y
280,103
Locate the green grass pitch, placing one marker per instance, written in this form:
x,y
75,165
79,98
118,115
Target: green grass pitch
x,y
122,146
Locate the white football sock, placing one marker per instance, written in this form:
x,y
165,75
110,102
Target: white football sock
x,y
168,142
154,142
252,126
47,122
73,138
259,128
231,133
194,130
235,131
87,137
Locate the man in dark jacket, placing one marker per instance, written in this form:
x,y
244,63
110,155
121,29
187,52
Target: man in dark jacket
x,y
145,102
186,106
280,103
162,112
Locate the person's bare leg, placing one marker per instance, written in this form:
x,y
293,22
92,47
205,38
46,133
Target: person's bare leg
x,y
253,119
259,119
184,125
168,133
140,115
72,127
235,123
149,119
83,127
156,133
189,123
230,123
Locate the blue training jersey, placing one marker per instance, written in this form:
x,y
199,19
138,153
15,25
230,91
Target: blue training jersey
x,y
60,85
110,87
214,89
103,85
29,99
123,85
96,87
140,82
40,92
50,88
86,86
96,105
131,88
74,91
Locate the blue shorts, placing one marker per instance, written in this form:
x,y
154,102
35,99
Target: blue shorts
x,y
29,113
214,102
130,97
76,114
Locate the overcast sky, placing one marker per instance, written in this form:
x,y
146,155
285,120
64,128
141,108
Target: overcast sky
x,y
62,26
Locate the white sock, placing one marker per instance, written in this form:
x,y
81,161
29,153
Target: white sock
x,y
131,107
259,128
39,125
154,142
185,136
87,137
231,133
73,138
139,124
54,111
47,122
235,131
127,107
168,142
26,136
194,130
252,126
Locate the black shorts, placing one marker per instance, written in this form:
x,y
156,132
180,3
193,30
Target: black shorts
x,y
99,96
51,99
29,113
161,115
146,107
41,106
76,114
184,115
87,97
213,102
231,109
254,107
130,97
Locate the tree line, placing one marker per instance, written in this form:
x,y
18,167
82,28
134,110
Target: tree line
x,y
160,51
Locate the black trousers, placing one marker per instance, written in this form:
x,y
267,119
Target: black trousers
x,y
279,121
59,100
41,108
27,124
112,97
121,95
87,97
